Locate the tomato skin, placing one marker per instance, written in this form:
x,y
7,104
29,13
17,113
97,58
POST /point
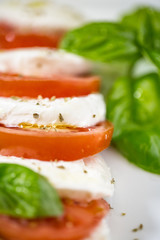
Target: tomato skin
x,y
77,223
58,86
46,146
11,38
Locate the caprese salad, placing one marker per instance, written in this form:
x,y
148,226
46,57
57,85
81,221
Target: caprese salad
x,y
53,184
67,127
34,23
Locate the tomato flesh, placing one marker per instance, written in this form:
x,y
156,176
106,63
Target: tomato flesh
x,y
11,38
45,145
58,86
78,222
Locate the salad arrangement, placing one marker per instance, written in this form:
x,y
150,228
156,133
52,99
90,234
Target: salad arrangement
x,y
52,184
52,123
133,100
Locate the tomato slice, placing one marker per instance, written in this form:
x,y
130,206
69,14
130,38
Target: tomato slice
x,y
78,222
58,86
11,38
67,145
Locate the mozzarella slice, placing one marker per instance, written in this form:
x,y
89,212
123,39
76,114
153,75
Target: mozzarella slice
x,y
78,111
85,179
42,62
101,232
38,15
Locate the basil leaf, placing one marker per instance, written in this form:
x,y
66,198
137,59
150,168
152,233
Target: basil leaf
x,y
102,42
146,23
153,55
133,107
141,147
26,194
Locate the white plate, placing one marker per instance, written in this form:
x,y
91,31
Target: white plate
x,y
137,193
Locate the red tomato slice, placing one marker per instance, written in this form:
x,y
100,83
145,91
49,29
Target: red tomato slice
x,y
10,38
77,223
58,86
67,145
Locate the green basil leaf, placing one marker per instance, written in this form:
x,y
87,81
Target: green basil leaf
x,y
153,55
102,42
26,194
133,107
145,22
141,147
118,106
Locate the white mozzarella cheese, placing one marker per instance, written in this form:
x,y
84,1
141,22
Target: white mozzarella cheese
x,y
38,15
42,62
101,232
77,111
85,179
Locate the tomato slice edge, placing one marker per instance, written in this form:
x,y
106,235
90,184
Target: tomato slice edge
x,y
48,146
57,85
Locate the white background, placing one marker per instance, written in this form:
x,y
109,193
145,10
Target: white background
x,y
137,193
106,9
